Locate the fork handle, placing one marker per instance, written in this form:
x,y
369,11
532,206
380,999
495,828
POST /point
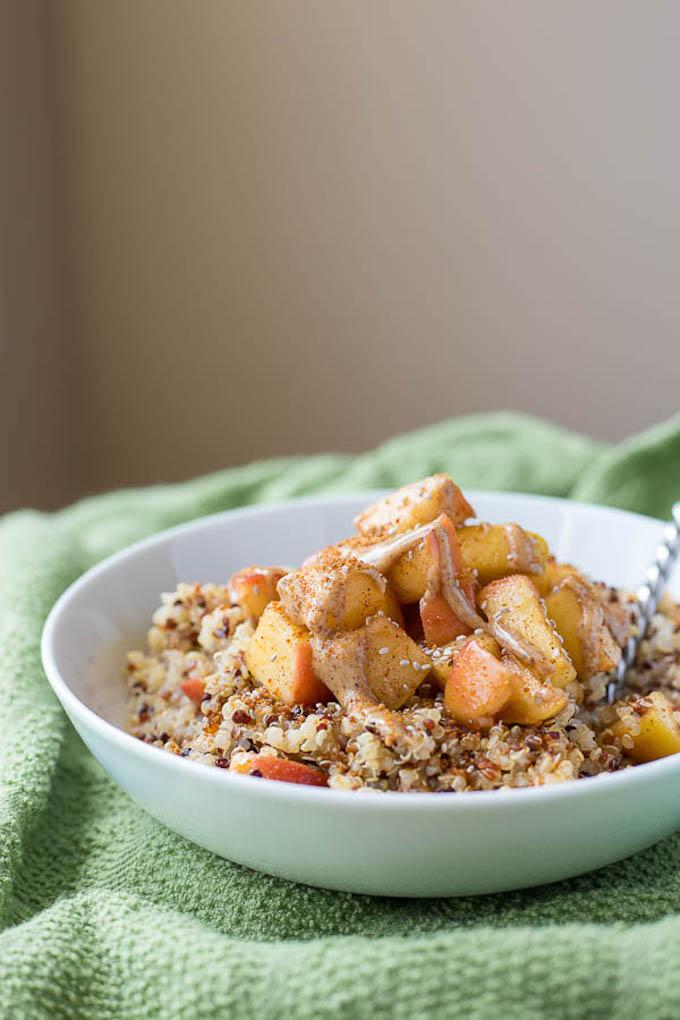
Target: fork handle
x,y
647,598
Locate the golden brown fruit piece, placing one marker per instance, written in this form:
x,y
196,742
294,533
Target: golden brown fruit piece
x,y
518,620
394,664
498,550
411,572
484,686
415,504
552,575
253,588
531,702
279,657
336,591
430,572
578,613
447,609
478,685
442,659
194,688
441,623
284,770
659,728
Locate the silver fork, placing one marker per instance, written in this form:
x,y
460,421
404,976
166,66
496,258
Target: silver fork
x,y
647,598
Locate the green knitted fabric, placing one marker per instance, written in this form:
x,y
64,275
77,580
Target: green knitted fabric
x,y
105,914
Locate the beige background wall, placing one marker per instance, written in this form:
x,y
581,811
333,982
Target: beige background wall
x,y
267,226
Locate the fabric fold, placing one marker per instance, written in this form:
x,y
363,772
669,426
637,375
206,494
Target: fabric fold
x,y
106,914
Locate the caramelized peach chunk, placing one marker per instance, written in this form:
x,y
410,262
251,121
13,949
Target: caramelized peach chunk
x,y
531,701
518,620
578,613
552,575
440,622
394,664
336,591
478,686
279,657
194,690
412,505
442,659
658,728
282,769
484,686
431,573
409,574
498,550
412,571
253,588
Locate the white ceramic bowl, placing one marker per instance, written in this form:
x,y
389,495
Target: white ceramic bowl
x,y
381,843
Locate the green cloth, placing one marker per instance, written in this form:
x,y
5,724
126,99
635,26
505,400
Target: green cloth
x,y
105,914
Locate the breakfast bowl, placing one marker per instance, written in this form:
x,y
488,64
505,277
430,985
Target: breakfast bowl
x,y
368,841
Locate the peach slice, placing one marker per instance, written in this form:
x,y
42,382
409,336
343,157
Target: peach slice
x,y
421,574
531,701
552,575
281,769
517,619
479,686
253,588
659,728
279,657
336,591
498,550
410,573
194,690
442,659
578,613
394,665
440,622
413,505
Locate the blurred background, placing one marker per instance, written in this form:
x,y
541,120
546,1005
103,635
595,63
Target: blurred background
x,y
242,228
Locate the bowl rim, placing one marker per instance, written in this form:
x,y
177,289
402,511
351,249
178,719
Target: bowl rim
x,y
291,793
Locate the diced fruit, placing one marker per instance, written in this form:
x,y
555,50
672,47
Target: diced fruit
x,y
194,690
577,612
659,733
518,620
336,591
279,657
419,575
440,623
478,685
552,575
253,588
442,658
484,686
415,504
282,769
394,664
498,550
409,575
531,702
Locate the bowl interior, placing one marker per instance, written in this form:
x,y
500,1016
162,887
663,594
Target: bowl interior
x,y
108,610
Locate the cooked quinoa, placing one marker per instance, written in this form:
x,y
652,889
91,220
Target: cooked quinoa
x,y
198,633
